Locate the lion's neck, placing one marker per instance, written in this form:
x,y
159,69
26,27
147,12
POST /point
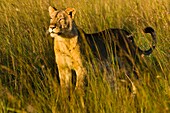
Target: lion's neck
x,y
65,44
72,33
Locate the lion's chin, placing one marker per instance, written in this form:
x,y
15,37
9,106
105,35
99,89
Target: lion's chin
x,y
53,34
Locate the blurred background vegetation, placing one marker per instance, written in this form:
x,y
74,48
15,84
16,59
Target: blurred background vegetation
x,y
28,81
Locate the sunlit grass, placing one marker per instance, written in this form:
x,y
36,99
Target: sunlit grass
x,y
28,81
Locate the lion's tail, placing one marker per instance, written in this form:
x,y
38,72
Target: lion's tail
x,y
153,34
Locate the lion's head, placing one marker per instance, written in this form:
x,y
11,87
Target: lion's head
x,y
61,21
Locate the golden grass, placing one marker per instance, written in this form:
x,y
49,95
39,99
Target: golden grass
x,y
27,67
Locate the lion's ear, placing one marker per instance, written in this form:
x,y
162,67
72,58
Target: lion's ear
x,y
71,12
51,10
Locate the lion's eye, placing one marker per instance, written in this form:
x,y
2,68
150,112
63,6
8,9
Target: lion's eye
x,y
55,25
60,19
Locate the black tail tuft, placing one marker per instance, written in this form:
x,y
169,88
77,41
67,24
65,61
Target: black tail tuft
x,y
153,34
149,30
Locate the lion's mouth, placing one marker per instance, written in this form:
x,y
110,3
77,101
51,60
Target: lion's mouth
x,y
54,30
53,33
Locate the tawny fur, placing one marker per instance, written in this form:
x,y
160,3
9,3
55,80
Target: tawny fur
x,y
69,41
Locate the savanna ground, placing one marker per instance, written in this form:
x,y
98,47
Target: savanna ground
x,y
28,81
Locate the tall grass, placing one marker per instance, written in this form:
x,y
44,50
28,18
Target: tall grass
x,y
28,81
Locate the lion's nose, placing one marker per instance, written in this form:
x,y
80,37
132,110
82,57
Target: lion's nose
x,y
52,27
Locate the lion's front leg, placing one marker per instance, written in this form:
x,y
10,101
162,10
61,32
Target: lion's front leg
x,y
65,76
64,68
81,73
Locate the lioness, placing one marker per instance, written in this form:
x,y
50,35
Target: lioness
x,y
70,42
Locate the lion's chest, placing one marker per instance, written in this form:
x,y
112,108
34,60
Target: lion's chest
x,y
67,51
